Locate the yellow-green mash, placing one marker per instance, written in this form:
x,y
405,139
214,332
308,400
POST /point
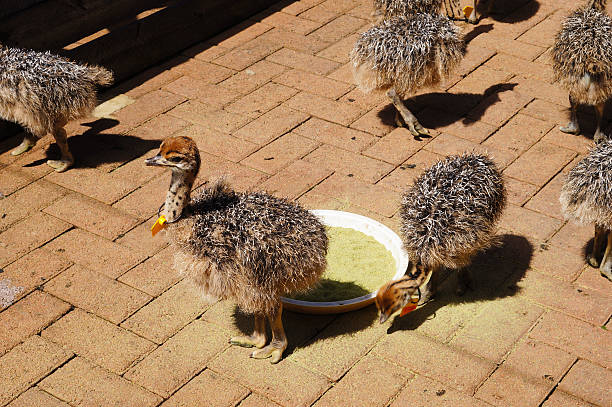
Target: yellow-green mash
x,y
357,264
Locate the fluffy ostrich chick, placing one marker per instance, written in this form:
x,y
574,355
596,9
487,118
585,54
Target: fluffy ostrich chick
x,y
251,248
582,61
404,54
586,197
447,216
42,92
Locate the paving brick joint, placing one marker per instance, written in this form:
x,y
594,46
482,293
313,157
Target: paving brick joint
x,y
92,313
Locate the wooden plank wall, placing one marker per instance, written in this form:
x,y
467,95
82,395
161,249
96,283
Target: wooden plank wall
x,y
126,36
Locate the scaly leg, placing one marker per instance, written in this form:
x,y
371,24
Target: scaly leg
x,y
449,6
464,281
572,127
474,16
257,338
279,341
428,289
411,121
601,235
29,141
606,264
61,139
599,135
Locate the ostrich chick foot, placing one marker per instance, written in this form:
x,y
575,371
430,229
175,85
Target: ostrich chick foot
x,y
250,341
25,145
412,124
571,128
60,165
592,260
599,136
274,351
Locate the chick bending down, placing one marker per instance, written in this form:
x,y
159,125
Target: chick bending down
x,y
582,61
403,54
42,92
586,197
248,247
447,216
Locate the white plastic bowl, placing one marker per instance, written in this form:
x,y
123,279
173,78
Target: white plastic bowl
x,y
370,227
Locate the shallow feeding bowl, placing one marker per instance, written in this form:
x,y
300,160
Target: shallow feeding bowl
x,y
370,227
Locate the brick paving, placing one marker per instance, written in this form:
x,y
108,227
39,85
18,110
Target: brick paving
x,y
97,317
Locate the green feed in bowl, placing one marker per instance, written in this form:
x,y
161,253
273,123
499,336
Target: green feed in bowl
x,y
357,264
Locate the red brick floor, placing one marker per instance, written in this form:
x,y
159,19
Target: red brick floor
x,y
94,315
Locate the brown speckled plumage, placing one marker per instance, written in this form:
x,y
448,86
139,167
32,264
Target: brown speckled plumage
x,y
450,212
407,53
39,89
249,247
582,54
586,196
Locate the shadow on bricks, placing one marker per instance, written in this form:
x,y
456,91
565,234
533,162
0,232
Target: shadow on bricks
x,y
313,327
508,11
95,146
495,273
457,104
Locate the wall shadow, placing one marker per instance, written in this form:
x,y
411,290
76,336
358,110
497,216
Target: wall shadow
x,y
508,11
496,273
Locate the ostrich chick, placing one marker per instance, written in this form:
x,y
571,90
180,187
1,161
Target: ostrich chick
x,y
405,53
586,197
390,8
582,61
42,92
447,216
249,247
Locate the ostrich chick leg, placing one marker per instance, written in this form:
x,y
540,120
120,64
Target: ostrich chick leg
x,y
29,141
61,138
257,338
474,16
599,242
428,291
599,135
572,127
411,121
606,264
279,340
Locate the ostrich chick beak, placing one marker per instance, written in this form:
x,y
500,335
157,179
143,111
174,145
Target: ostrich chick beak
x,y
383,318
155,161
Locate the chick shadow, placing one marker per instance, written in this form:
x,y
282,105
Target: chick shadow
x,y
508,11
97,146
304,329
455,106
495,273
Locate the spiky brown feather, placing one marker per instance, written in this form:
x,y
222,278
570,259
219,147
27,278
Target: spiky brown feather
x,y
450,212
407,53
250,247
586,195
582,55
38,89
